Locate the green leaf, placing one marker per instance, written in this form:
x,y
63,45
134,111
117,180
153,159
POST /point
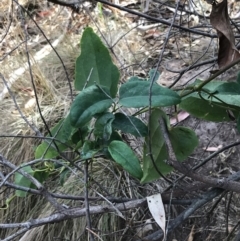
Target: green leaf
x,y
20,180
135,78
227,93
211,86
79,135
62,131
231,88
41,176
103,126
65,131
158,150
151,75
63,176
214,101
183,141
204,109
238,78
129,124
136,94
46,151
238,123
89,150
94,65
104,144
150,172
90,101
124,156
115,137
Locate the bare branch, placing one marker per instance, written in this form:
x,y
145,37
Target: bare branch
x,y
72,213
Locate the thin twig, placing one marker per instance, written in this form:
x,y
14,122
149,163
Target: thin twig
x,y
227,212
89,224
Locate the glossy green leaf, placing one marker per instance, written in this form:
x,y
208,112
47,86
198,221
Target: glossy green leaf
x,y
232,88
158,150
65,131
103,126
115,137
183,141
153,74
20,180
40,175
129,124
89,150
210,87
136,94
90,101
47,151
62,131
238,123
238,78
79,135
204,109
103,144
135,78
227,93
94,65
63,176
150,172
214,102
124,156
